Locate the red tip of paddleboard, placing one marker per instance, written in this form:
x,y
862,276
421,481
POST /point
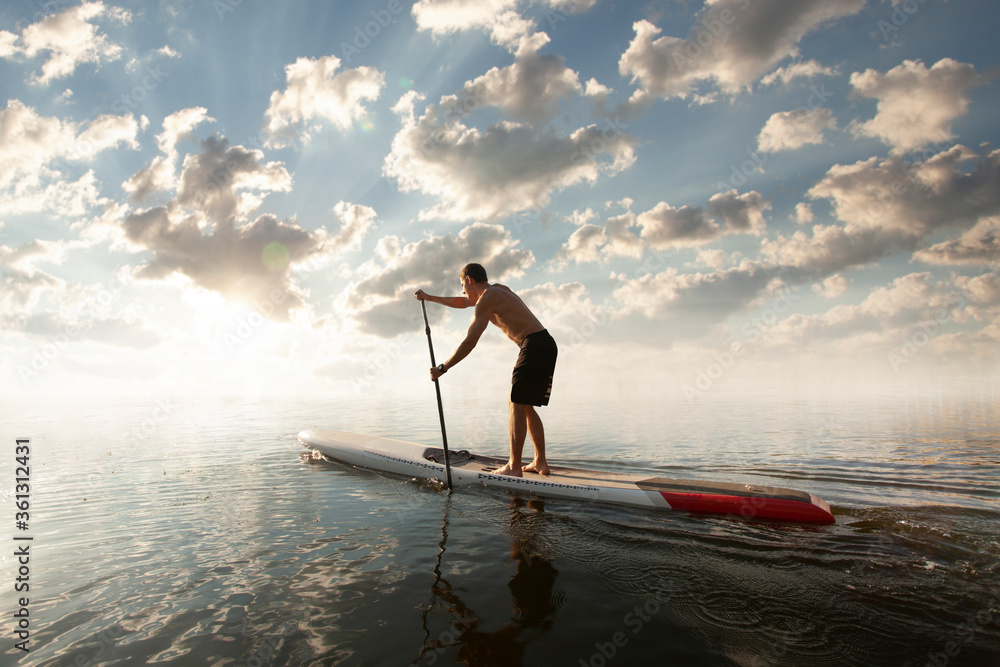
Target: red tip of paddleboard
x,y
816,512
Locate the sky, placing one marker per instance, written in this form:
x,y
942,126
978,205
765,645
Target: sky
x,y
241,197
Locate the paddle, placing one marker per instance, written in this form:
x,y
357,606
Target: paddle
x,y
437,388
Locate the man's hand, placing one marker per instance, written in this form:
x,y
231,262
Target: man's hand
x,y
420,295
436,372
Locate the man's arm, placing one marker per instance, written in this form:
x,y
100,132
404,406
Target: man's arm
x,y
476,329
450,301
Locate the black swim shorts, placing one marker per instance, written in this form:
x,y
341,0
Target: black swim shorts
x,y
531,382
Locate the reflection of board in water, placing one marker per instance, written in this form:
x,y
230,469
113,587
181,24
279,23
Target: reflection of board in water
x,y
407,458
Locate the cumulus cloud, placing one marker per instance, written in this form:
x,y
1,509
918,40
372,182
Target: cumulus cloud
x,y
39,151
315,89
381,303
500,18
664,226
595,243
882,321
732,45
916,105
691,302
979,245
889,207
203,233
160,175
528,91
788,130
23,283
917,197
832,287
740,213
506,168
802,70
356,221
34,142
70,38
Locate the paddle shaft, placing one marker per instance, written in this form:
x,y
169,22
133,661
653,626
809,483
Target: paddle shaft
x,y
437,388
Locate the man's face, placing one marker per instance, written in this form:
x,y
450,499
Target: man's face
x,y
462,281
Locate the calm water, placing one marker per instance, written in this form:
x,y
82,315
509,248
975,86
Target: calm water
x,y
201,533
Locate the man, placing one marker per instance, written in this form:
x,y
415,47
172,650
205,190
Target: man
x,y
532,378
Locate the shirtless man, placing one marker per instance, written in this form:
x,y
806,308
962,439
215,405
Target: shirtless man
x,y
532,377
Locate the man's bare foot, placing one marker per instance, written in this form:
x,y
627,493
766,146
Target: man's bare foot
x,y
507,469
534,466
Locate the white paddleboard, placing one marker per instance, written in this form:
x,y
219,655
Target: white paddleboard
x,y
415,460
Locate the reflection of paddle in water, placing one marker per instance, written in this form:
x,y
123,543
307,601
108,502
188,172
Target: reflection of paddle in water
x,y
531,587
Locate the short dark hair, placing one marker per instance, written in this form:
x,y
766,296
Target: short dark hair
x,y
476,272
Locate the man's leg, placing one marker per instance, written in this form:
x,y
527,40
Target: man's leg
x,y
517,426
537,433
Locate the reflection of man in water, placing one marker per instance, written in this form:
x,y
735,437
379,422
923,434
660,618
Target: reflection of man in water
x,y
531,586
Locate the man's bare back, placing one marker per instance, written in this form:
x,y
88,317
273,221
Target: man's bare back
x,y
508,312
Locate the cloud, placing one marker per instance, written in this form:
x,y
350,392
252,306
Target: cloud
x,y
832,287
203,233
315,89
916,198
70,37
225,182
382,302
664,226
33,142
446,16
691,303
528,91
23,283
504,169
38,151
499,18
788,130
160,175
916,105
891,207
741,213
732,45
801,70
880,323
356,221
979,245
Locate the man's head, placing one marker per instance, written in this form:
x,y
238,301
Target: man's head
x,y
474,271
473,279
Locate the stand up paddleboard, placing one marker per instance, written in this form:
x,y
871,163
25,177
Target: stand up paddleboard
x,y
414,460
